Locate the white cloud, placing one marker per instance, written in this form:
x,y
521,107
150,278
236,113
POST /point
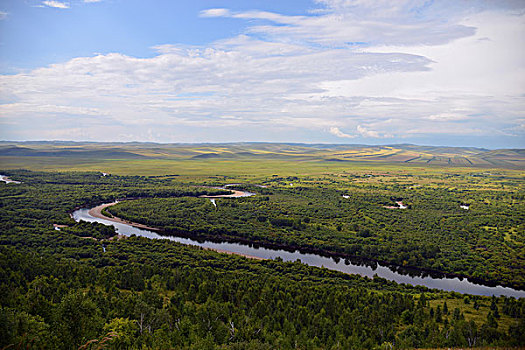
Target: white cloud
x,y
454,131
335,131
447,117
366,132
215,13
3,15
361,131
381,69
56,4
24,108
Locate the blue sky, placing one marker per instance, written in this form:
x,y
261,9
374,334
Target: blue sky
x,y
333,71
35,34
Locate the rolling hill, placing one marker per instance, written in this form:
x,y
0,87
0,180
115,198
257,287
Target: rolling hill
x,y
401,153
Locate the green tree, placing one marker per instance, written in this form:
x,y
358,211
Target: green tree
x,y
77,319
125,331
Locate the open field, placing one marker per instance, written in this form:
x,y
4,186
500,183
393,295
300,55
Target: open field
x,y
87,155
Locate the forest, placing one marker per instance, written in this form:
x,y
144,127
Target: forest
x,y
358,219
80,287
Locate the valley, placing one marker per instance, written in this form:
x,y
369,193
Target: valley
x,y
311,233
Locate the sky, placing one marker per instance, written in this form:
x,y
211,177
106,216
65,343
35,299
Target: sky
x,y
447,72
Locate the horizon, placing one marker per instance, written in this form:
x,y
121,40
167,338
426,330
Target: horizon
x,y
257,142
441,74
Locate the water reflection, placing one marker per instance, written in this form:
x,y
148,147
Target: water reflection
x,y
351,266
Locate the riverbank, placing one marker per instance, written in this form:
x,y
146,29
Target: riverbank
x,y
235,194
310,256
97,212
7,180
235,253
407,270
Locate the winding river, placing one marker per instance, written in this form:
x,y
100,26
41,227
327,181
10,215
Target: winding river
x,y
447,284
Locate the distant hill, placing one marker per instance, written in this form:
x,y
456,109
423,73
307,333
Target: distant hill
x,y
69,153
402,153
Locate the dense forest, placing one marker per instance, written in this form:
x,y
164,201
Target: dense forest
x,y
62,290
354,219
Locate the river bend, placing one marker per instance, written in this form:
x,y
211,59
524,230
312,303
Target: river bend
x,y
447,284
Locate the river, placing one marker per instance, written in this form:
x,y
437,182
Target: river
x,y
8,180
447,284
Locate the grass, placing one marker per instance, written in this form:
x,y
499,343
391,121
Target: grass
x,y
395,154
231,167
470,313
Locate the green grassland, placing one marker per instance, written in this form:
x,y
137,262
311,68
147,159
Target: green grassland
x,y
87,155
